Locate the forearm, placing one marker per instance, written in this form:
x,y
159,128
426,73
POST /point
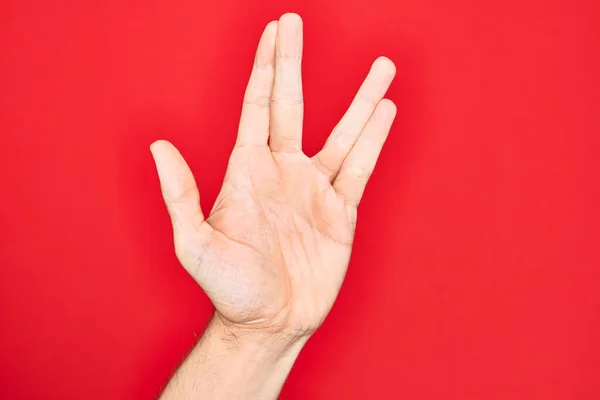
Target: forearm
x,y
228,364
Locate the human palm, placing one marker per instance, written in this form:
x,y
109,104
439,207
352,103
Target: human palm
x,y
274,250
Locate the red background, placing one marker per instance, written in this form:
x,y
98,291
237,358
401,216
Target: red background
x,y
476,270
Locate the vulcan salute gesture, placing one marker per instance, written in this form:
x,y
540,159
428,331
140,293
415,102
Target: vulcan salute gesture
x,y
273,252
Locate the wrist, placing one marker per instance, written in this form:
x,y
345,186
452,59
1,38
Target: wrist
x,y
248,363
275,342
232,362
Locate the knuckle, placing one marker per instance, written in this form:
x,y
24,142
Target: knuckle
x,y
291,56
344,139
289,99
367,99
188,194
260,101
264,67
360,172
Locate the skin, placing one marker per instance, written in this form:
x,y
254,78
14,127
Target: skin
x,y
273,252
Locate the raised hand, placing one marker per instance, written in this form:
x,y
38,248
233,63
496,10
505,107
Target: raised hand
x,y
273,252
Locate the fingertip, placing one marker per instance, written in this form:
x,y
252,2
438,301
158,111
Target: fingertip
x,y
291,18
158,144
385,65
290,26
265,54
271,27
388,107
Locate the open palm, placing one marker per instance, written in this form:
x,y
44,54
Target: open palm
x,y
274,250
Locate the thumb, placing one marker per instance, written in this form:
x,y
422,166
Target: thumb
x,y
178,188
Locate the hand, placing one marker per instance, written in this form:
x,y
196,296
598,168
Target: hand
x,y
274,250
